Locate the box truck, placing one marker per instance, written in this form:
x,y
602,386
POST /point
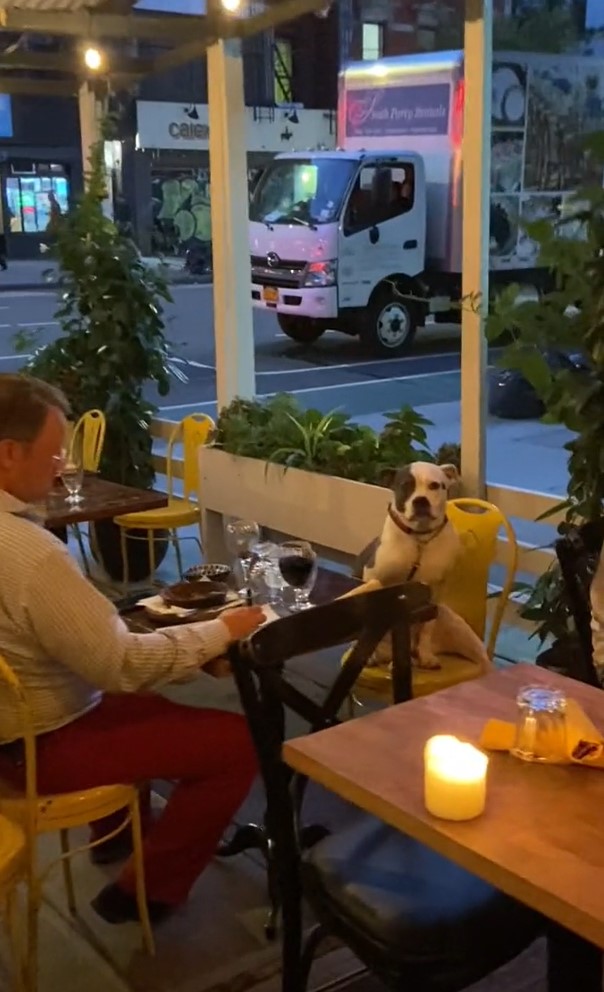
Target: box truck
x,y
367,239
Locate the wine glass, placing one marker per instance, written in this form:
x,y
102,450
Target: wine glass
x,y
265,577
298,567
241,536
72,476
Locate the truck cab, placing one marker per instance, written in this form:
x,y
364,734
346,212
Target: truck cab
x,y
338,240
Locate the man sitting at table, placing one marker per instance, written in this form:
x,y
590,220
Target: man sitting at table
x,y
90,682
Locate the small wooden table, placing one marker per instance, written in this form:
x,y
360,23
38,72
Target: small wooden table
x,y
101,500
541,839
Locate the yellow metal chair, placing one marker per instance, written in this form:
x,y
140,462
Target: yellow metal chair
x,y
479,525
87,439
59,813
192,432
86,444
13,869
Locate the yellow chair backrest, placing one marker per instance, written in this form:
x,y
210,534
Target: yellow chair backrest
x,y
479,525
18,694
192,432
88,438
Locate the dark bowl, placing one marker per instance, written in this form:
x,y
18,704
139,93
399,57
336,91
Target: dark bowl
x,y
193,595
215,573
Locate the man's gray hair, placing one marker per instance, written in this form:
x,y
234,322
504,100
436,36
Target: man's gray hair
x,y
24,405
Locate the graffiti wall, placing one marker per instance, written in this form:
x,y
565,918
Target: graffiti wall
x,y
182,208
542,111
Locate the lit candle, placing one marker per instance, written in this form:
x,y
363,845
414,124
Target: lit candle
x,y
455,778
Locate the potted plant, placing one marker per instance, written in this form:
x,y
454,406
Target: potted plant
x,y
110,348
275,462
569,318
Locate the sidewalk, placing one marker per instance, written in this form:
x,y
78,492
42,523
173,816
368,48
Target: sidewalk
x,y
40,274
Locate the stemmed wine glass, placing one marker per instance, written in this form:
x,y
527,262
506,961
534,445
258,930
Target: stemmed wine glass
x,y
298,567
72,476
241,536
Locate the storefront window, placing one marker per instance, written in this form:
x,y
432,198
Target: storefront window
x,y
36,198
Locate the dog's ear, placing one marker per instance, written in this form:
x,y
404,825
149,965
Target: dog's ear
x,y
387,477
451,474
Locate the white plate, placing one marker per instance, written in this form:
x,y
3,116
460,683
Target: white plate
x,y
155,607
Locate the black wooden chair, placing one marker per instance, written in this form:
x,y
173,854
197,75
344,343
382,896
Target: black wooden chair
x,y
578,552
414,919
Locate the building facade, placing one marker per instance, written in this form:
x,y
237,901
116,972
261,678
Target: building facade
x,y
290,106
161,162
375,28
40,167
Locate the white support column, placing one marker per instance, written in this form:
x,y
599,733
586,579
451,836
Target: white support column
x,y
233,323
90,121
476,210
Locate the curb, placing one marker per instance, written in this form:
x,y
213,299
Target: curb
x,y
41,287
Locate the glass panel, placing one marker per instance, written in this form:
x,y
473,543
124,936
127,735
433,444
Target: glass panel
x,y
372,42
36,201
300,191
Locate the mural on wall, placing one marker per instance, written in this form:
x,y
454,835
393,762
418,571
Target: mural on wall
x,y
182,209
541,114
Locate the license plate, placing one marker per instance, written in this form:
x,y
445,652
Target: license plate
x,y
270,294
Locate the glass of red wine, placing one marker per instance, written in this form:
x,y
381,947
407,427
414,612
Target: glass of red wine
x,y
298,567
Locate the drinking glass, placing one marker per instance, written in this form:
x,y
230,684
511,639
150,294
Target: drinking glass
x,y
241,536
72,476
541,725
265,577
298,567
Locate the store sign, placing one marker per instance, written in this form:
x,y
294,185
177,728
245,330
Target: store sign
x,y
172,125
6,116
181,128
382,112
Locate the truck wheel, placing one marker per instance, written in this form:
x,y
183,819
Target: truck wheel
x,y
389,324
305,330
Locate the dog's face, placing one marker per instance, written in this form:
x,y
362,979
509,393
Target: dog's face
x,y
420,494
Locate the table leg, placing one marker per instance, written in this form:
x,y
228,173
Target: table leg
x,y
572,963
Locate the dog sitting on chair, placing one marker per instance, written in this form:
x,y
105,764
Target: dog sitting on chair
x,y
418,543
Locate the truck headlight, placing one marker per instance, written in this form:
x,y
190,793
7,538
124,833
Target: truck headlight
x,y
321,273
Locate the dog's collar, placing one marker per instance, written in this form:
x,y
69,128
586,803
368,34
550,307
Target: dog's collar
x,y
422,538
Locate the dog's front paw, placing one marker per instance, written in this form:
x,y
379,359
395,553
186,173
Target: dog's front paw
x,y
427,662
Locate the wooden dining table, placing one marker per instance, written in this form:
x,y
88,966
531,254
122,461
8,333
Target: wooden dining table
x,y
541,837
101,500
329,586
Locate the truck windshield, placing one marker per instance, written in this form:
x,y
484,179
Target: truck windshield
x,y
301,191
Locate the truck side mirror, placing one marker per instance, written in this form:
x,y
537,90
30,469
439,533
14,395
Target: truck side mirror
x,y
374,234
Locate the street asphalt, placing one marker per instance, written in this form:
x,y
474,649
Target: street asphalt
x,y
334,372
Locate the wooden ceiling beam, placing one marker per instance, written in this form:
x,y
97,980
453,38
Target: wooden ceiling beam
x,y
37,87
171,28
70,62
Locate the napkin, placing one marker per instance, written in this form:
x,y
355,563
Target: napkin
x,y
155,604
580,744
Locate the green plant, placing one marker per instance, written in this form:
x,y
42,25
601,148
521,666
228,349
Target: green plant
x,y
569,318
547,607
449,454
281,431
111,346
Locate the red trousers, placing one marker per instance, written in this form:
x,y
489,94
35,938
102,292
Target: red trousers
x,y
136,738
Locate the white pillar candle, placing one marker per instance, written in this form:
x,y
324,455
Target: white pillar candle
x,y
455,778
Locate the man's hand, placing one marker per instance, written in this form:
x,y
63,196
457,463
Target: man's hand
x,y
242,621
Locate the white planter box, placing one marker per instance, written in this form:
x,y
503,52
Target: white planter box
x,y
337,516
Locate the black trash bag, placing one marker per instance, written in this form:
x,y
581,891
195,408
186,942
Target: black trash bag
x,y
511,397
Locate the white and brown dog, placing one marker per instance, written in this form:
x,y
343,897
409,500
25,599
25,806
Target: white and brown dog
x,y
419,544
